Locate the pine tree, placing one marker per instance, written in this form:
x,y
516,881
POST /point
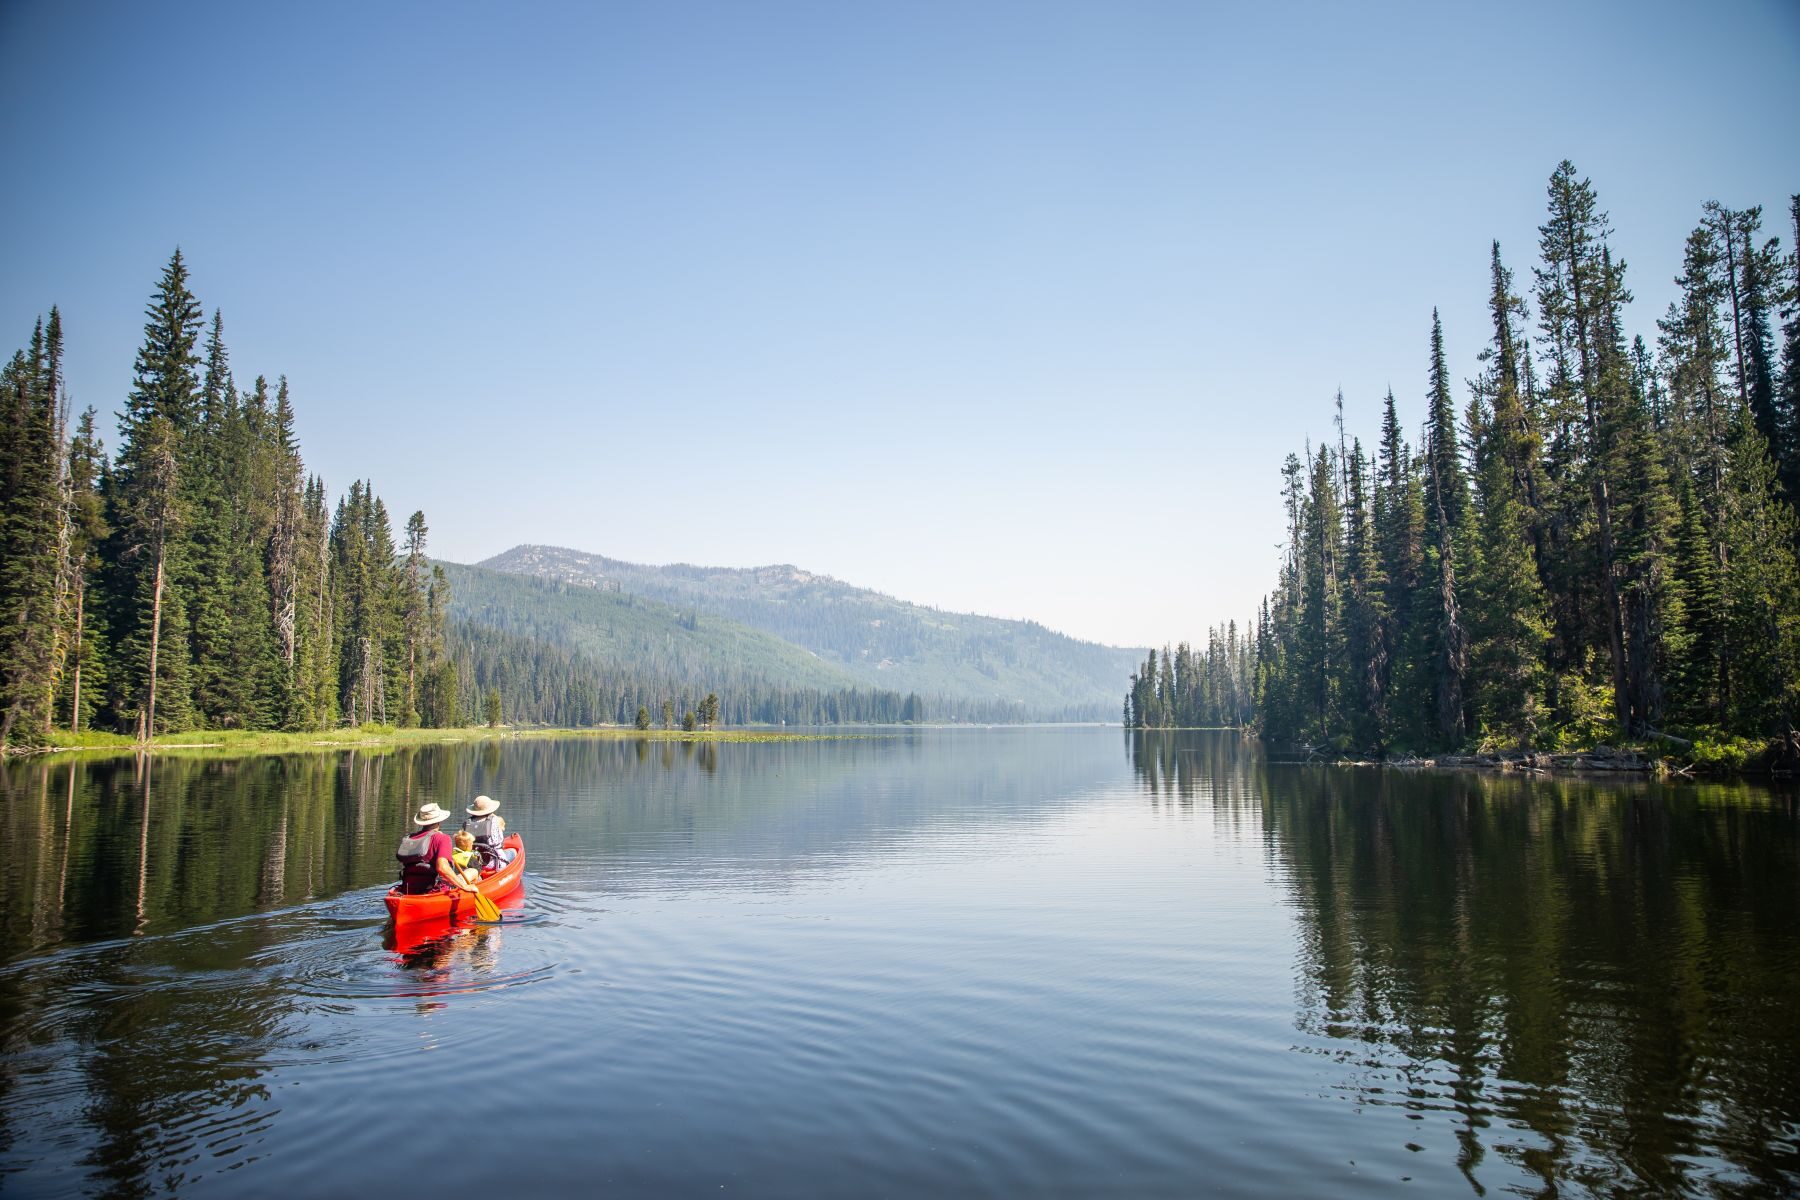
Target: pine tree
x,y
1761,593
1165,684
1697,647
367,619
438,707
84,678
1648,538
1400,548
1578,290
1365,617
1447,537
314,696
208,578
1759,275
150,674
1508,620
1788,405
413,614
286,534
1695,346
1320,626
30,517
67,567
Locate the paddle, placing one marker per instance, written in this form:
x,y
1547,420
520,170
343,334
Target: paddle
x,y
486,909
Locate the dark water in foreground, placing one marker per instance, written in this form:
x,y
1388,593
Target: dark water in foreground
x,y
1039,961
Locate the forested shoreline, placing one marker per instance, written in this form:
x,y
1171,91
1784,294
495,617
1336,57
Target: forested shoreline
x,y
196,579
1601,544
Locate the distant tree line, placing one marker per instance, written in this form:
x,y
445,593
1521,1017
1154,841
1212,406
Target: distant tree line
x,y
1188,689
196,579
1601,543
541,681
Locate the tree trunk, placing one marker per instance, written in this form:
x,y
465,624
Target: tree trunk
x,y
148,729
75,687
1602,501
1737,335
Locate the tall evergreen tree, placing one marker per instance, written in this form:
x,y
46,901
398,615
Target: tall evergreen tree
x,y
1446,539
150,675
1759,281
1577,289
84,677
206,575
1400,549
1761,592
1320,626
1695,346
1365,614
413,614
30,514
287,530
1508,619
1788,406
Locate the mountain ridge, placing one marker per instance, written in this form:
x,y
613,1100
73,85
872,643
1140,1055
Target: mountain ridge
x,y
880,640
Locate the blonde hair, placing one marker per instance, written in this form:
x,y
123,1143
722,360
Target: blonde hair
x,y
464,840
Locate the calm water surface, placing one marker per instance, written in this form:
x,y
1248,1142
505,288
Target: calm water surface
x,y
1031,961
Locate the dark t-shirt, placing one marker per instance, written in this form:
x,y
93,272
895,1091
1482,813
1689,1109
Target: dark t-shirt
x,y
440,846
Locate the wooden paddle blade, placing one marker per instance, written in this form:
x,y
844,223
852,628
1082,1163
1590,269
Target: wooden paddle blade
x,y
486,909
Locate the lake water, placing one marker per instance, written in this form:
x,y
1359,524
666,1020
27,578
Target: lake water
x,y
1019,961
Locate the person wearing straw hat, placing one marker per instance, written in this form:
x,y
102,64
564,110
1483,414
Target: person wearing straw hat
x,y
489,830
426,856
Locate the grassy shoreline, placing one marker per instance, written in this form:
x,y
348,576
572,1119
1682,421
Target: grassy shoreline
x,y
233,742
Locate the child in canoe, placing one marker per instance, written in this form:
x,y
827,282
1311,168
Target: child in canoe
x,y
466,857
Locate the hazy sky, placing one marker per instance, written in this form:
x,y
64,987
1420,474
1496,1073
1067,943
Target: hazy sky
x,y
1005,308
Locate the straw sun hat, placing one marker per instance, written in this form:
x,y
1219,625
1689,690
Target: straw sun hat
x,y
430,814
483,806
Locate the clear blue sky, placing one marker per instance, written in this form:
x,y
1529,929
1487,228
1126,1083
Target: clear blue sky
x,y
1009,308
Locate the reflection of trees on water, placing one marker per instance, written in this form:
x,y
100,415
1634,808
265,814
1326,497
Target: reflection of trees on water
x,y
1596,982
1190,765
159,1042
172,1066
1219,770
114,847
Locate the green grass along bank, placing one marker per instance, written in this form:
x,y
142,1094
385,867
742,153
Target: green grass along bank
x,y
230,743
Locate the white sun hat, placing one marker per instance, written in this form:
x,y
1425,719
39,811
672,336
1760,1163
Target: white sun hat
x,y
430,814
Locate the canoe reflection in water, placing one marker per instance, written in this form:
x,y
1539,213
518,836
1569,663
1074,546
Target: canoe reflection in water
x,y
448,941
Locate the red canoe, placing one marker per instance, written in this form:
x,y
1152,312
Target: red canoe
x,y
437,905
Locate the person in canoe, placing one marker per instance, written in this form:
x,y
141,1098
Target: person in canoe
x,y
427,856
489,830
467,858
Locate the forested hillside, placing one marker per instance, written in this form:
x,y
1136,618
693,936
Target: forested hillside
x,y
596,654
1600,541
652,639
872,639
